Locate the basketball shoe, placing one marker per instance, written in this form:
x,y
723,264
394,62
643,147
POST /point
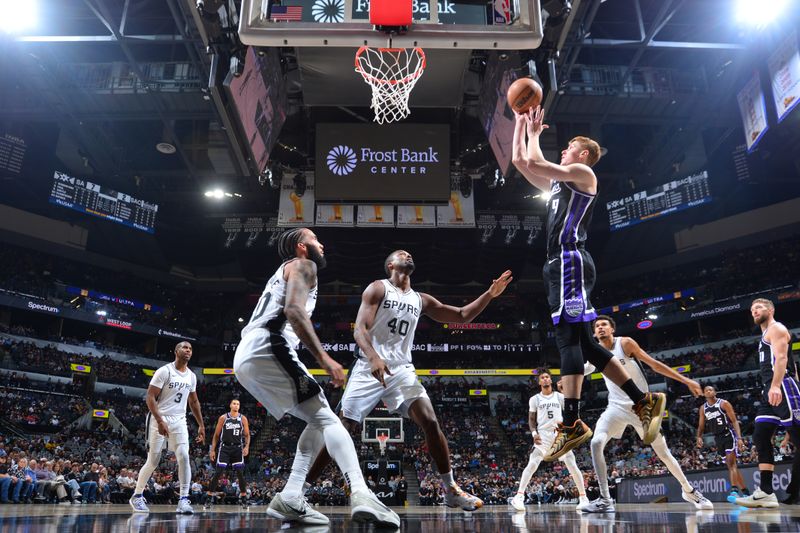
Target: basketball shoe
x,y
455,497
139,504
366,507
184,506
568,438
600,505
517,502
295,510
699,501
650,411
759,498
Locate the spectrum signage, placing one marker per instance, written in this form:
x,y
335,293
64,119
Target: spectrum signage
x,y
365,163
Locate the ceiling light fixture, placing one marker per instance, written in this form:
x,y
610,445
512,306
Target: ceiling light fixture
x,y
166,148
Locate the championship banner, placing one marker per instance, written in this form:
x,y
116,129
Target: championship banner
x,y
459,211
86,369
297,201
487,224
784,73
218,371
99,413
533,225
334,215
377,216
753,107
416,216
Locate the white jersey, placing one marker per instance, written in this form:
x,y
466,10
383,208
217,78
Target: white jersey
x,y
615,394
548,410
395,322
175,388
269,310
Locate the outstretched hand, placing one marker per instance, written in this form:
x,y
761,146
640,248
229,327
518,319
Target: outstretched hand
x,y
535,120
499,285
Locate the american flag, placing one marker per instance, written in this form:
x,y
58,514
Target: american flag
x,y
279,13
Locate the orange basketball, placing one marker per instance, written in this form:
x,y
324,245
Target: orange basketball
x,y
524,94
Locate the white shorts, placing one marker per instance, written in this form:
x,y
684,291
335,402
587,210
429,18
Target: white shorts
x,y
547,440
616,418
270,370
363,391
178,433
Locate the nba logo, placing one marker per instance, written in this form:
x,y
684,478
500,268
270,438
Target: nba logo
x,y
502,12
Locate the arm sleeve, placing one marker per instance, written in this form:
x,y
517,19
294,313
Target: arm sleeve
x,y
160,378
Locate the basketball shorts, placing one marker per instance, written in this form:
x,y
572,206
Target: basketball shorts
x,y
363,391
230,456
726,442
178,433
270,370
547,440
787,413
569,279
616,418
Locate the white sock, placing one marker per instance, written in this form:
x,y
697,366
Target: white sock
x,y
309,445
662,451
447,479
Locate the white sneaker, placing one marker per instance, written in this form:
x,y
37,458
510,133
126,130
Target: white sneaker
x,y
366,507
139,504
600,505
517,502
583,502
184,506
295,510
455,497
699,501
759,498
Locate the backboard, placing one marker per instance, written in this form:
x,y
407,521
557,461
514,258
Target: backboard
x,y
446,24
391,426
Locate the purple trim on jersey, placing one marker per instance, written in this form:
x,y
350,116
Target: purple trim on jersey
x,y
735,448
793,399
577,210
574,305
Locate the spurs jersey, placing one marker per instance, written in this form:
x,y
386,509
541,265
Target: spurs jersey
x,y
716,420
548,410
395,322
615,394
766,360
232,430
175,388
569,213
269,310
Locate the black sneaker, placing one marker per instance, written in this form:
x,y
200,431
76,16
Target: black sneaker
x,y
244,503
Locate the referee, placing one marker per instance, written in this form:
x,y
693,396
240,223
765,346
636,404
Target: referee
x,y
229,447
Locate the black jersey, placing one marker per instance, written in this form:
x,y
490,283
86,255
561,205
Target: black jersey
x,y
766,360
569,213
232,431
717,421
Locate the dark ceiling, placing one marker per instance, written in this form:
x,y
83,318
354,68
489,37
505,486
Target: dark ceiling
x,y
102,82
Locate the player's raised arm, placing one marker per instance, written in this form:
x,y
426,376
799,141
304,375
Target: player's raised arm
x,y
632,348
370,300
447,313
519,154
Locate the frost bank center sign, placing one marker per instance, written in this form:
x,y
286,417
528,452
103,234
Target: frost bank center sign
x,y
402,163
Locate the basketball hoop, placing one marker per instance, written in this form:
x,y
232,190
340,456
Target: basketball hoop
x,y
382,440
392,74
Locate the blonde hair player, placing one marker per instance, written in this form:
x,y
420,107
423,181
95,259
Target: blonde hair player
x,y
619,415
544,414
569,276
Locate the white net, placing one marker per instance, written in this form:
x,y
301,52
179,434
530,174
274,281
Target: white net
x,y
392,74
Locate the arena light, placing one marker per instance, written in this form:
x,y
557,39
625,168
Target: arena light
x,y
219,194
18,17
101,312
759,13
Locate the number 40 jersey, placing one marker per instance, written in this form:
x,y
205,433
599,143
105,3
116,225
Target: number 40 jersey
x,y
396,320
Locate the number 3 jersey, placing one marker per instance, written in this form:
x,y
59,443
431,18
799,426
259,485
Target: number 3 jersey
x,y
395,321
548,410
175,388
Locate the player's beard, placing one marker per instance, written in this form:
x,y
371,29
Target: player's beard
x,y
317,258
409,267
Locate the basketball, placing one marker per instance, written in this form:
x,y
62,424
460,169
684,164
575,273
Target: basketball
x,y
524,94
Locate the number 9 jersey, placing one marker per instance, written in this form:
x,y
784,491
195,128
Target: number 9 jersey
x,y
395,322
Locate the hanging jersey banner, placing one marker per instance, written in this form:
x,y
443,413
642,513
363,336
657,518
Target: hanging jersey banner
x,y
458,213
375,216
416,216
334,215
784,73
297,201
753,107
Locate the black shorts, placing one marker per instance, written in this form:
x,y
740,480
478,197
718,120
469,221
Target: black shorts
x,y
230,456
787,413
726,443
569,279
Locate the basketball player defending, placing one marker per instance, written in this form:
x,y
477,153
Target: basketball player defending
x,y
229,446
724,426
266,364
569,277
544,413
619,415
780,402
384,332
171,387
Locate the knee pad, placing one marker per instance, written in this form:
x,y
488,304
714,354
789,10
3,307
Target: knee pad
x,y
762,438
